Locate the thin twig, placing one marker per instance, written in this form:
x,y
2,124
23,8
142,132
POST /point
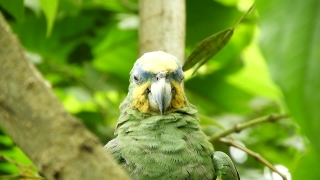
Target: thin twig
x,y
19,176
239,127
9,160
15,176
257,156
244,15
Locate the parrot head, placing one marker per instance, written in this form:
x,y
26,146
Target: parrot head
x,y
156,83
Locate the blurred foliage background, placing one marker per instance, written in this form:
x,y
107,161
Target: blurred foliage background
x,y
86,48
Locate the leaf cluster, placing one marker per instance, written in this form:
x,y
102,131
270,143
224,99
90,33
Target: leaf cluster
x,y
85,49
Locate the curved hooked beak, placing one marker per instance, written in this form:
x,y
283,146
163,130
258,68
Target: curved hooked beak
x,y
161,94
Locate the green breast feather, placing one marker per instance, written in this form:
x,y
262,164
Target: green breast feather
x,y
163,146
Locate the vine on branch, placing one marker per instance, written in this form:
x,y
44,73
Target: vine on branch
x,y
25,171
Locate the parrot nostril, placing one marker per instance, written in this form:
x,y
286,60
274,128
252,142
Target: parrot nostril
x,y
148,90
135,78
161,75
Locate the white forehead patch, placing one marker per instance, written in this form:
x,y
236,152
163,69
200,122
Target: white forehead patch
x,y
158,61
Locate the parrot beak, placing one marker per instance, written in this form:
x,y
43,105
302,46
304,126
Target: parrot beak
x,y
161,95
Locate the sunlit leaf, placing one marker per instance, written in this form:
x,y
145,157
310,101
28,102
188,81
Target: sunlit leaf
x,y
116,53
254,77
49,9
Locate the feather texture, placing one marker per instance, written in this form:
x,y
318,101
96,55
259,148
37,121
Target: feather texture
x,y
168,146
158,131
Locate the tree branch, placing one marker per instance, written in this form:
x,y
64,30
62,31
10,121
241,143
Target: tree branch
x,y
257,156
19,176
162,27
58,144
239,127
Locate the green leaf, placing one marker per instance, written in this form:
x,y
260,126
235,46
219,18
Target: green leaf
x,y
207,48
206,17
290,41
255,74
211,46
206,120
307,166
116,53
214,89
49,9
13,7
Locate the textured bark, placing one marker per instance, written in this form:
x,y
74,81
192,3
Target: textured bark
x,y
58,144
162,26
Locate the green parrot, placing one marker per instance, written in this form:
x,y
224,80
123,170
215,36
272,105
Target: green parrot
x,y
158,135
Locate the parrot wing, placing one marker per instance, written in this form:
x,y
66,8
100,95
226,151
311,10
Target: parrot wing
x,y
224,167
113,148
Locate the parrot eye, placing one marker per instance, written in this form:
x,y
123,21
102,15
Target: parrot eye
x,y
136,78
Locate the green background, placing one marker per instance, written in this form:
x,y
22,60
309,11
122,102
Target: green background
x,y
85,50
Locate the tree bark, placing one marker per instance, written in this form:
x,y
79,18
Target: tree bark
x,y
162,26
58,144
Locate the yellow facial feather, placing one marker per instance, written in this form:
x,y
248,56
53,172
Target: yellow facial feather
x,y
140,99
158,62
141,102
178,100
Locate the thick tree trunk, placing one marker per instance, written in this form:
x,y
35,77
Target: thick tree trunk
x,y
57,143
162,26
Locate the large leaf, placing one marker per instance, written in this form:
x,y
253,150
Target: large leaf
x,y
49,9
117,52
254,77
290,41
